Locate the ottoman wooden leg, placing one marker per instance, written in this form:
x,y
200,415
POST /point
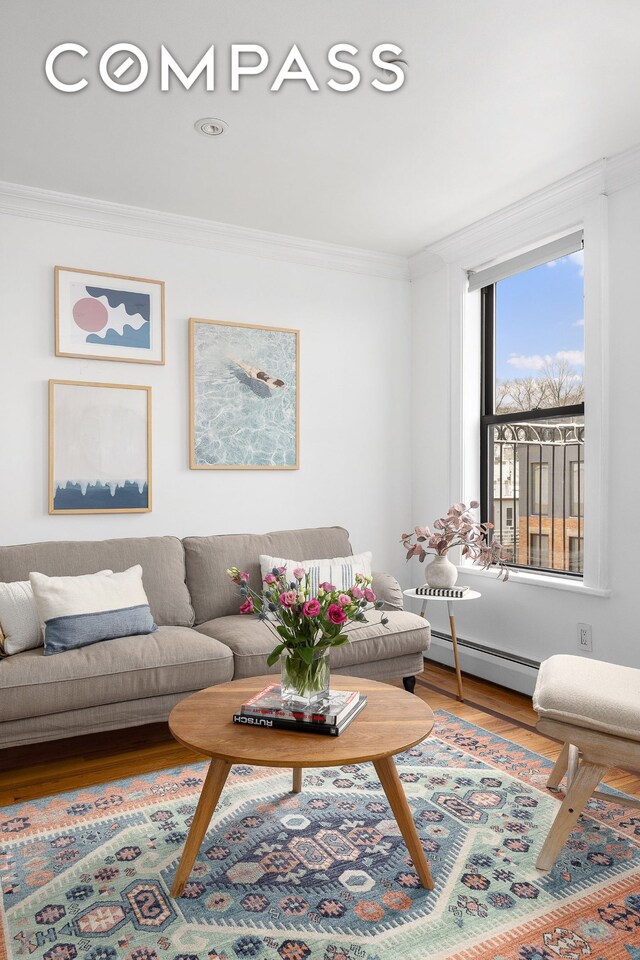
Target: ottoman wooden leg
x,y
585,782
560,768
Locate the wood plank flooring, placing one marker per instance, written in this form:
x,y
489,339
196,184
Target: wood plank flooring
x,y
27,773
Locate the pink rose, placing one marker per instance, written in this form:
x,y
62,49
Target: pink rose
x,y
369,595
357,593
288,598
244,577
282,570
327,587
269,578
299,573
247,606
311,608
336,614
344,600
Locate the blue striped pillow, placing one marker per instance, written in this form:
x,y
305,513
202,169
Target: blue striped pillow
x,y
340,571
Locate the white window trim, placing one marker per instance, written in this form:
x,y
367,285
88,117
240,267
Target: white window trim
x,y
587,210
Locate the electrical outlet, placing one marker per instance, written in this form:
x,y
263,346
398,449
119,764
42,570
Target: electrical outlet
x,y
585,638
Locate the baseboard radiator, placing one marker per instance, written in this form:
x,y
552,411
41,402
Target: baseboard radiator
x,y
488,651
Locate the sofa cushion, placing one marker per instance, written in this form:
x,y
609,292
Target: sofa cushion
x,y
20,628
161,559
171,660
208,558
589,693
251,641
79,611
338,571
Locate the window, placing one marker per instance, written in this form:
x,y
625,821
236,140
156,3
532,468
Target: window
x,y
576,508
532,418
576,554
539,488
539,550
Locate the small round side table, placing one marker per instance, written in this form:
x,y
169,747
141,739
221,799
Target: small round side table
x,y
468,595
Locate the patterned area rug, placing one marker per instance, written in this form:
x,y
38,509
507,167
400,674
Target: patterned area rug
x,y
324,875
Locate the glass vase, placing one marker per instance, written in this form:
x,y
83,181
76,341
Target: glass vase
x,y
304,684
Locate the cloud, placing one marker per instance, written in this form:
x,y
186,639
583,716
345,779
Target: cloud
x,y
574,357
537,362
576,258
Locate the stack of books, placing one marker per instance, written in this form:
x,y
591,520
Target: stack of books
x,y
330,716
452,592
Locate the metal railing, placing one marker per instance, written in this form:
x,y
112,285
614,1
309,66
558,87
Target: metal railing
x,y
537,479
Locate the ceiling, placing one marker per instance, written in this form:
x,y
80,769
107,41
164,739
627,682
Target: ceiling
x,y
502,98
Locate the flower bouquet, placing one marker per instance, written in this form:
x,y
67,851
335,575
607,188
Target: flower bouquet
x,y
305,625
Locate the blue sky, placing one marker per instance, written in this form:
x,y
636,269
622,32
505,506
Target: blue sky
x,y
540,314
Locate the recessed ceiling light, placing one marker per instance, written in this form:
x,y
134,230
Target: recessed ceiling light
x,y
210,126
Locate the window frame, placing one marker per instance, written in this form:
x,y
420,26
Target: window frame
x,y
489,418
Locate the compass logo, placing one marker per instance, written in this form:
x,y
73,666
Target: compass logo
x,y
124,67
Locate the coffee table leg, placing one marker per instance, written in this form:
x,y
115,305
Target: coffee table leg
x,y
297,779
386,770
211,790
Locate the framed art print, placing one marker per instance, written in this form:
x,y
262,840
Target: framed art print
x,y
244,402
99,448
104,316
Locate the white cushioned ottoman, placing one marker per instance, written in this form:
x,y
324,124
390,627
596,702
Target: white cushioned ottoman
x,y
591,694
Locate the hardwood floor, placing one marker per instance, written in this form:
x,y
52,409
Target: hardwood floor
x,y
27,773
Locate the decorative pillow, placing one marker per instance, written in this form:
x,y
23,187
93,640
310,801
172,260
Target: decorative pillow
x,y
18,618
340,571
78,611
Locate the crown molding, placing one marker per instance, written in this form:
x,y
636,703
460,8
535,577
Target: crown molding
x,y
39,204
556,207
622,170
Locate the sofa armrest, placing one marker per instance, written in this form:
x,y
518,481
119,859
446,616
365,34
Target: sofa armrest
x,y
387,589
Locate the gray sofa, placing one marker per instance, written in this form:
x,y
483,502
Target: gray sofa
x,y
201,640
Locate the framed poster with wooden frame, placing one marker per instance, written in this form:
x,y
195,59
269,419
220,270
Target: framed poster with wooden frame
x,y
107,316
244,396
99,447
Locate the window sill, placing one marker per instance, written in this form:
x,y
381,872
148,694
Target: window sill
x,y
550,581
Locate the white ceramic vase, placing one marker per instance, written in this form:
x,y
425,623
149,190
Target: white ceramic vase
x,y
440,572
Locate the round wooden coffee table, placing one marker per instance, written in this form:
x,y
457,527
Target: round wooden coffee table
x,y
392,721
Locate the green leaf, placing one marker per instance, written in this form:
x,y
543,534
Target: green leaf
x,y
306,653
340,640
274,656
284,633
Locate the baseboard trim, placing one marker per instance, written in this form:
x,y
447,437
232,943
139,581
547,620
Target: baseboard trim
x,y
505,668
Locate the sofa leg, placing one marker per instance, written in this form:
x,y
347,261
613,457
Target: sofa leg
x,y
409,684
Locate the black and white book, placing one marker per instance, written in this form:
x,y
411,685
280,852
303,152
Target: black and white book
x,y
451,592
337,705
275,722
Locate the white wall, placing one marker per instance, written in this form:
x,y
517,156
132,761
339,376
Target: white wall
x,y
355,404
533,621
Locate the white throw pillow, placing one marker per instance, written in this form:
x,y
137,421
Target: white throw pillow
x,y
78,611
19,618
340,571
